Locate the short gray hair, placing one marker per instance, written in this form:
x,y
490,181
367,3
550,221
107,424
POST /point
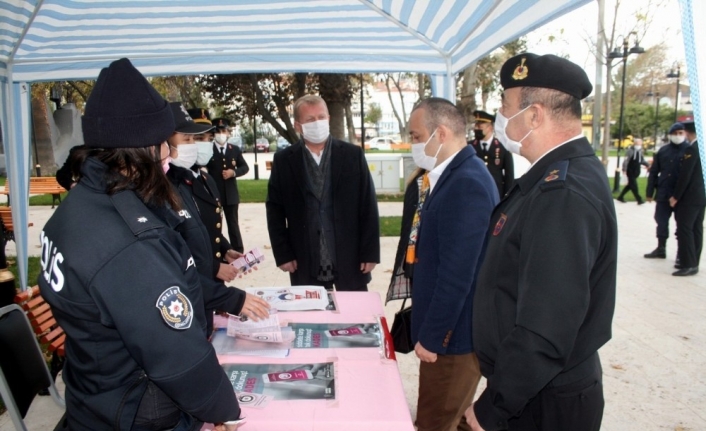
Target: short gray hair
x,y
309,99
562,106
442,112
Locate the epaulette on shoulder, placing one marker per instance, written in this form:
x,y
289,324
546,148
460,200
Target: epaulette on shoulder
x,y
555,176
134,212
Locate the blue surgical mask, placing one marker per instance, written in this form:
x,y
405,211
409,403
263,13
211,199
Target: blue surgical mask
x,y
205,152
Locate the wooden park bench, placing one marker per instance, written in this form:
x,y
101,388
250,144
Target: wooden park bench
x,y
268,165
40,186
6,217
49,333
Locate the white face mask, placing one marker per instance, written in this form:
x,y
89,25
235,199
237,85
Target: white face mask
x,y
186,156
420,156
315,132
501,124
205,152
638,147
676,139
221,138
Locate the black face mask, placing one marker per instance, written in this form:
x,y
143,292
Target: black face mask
x,y
478,134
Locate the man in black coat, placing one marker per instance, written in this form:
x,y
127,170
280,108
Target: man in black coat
x,y
225,166
545,293
322,212
663,177
496,157
634,159
689,202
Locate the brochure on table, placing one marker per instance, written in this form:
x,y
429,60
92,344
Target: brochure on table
x,y
311,381
293,298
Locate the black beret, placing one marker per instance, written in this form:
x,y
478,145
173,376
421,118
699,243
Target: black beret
x,y
220,123
483,117
545,71
200,115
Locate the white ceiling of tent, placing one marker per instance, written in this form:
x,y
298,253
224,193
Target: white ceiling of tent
x,y
72,39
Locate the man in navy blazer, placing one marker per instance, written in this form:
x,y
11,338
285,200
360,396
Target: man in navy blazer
x,y
453,221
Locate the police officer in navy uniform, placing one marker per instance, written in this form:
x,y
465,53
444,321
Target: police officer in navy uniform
x,y
545,293
689,203
664,172
495,156
123,284
225,166
201,228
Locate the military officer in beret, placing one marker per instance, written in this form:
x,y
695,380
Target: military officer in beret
x,y
495,156
226,164
545,294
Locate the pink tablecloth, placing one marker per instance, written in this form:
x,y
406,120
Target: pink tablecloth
x,y
369,394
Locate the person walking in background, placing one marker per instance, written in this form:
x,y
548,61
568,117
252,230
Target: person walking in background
x,y
495,156
457,203
546,290
634,158
322,213
660,185
224,167
689,203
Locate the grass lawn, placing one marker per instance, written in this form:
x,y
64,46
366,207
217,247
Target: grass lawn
x,y
253,191
32,271
390,225
641,187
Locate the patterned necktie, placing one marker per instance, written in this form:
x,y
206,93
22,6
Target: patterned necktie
x,y
423,183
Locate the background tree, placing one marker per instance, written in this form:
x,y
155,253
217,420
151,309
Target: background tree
x,y
336,90
373,115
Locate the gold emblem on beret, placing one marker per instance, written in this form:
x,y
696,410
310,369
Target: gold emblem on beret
x,y
520,71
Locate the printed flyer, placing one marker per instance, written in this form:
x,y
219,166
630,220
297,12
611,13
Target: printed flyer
x,y
284,381
326,335
293,298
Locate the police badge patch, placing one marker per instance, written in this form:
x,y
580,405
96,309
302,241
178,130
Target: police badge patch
x,y
175,308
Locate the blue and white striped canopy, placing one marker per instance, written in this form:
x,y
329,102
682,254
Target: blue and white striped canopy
x,y
73,39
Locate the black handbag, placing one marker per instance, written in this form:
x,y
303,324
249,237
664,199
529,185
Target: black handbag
x,y
401,331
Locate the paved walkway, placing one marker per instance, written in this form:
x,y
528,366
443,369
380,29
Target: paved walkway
x,y
654,368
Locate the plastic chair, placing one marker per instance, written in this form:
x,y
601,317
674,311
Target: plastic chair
x,y
23,370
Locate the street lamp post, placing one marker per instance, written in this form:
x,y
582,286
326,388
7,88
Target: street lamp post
x,y
656,96
616,53
677,74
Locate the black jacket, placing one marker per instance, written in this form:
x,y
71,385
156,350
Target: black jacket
x,y
125,289
356,222
664,171
545,294
499,162
216,295
233,159
689,189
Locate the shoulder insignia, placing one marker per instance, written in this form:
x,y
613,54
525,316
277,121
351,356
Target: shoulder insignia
x,y
230,147
175,308
188,182
557,171
500,224
142,219
132,210
686,156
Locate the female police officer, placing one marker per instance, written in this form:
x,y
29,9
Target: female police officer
x,y
122,284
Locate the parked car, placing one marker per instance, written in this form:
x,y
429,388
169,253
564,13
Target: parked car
x,y
381,144
262,145
282,143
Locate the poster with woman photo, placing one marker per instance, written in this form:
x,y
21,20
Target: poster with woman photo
x,y
326,335
284,381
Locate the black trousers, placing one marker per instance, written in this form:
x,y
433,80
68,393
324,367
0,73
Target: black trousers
x,y
576,406
632,186
231,215
662,213
690,233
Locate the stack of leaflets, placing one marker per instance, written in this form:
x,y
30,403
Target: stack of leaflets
x,y
293,298
249,260
264,330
